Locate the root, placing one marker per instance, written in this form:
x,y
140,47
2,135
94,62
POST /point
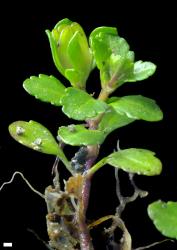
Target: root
x,y
38,238
26,181
153,244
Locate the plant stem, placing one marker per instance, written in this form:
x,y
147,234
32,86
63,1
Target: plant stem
x,y
84,234
103,95
93,151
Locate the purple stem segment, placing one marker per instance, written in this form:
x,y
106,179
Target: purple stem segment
x,y
93,151
85,239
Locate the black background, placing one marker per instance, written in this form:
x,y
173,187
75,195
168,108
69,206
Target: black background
x,y
151,32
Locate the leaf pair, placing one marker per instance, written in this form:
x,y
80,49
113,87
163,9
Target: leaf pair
x,y
75,60
80,106
77,104
70,52
37,137
115,61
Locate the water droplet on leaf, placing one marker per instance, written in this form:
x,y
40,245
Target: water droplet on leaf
x,y
38,142
20,130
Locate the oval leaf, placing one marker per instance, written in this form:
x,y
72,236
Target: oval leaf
x,y
77,135
79,105
138,107
112,120
133,160
164,217
142,70
34,135
46,88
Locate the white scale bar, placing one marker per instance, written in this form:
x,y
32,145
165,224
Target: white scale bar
x,y
7,244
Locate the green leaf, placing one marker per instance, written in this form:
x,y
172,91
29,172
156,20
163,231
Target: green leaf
x,y
142,70
117,45
113,58
77,135
120,68
64,21
115,61
54,50
102,29
75,78
133,160
81,59
138,107
34,135
112,120
164,217
45,88
79,105
100,49
70,51
106,44
79,53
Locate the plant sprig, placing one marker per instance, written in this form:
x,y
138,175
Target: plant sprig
x,y
75,57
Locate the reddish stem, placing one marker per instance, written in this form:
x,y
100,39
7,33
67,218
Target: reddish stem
x,y
85,239
93,151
